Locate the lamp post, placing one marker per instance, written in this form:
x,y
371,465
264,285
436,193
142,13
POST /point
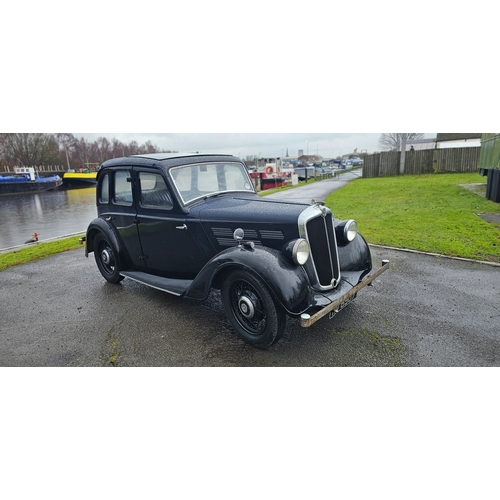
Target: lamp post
x,y
403,153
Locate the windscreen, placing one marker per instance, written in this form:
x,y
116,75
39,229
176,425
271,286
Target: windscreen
x,y
207,179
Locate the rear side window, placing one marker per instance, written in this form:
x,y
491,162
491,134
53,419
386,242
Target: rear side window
x,y
154,192
123,188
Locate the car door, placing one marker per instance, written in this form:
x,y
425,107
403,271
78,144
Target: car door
x,y
166,234
116,205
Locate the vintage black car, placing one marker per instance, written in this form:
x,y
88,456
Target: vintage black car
x,y
187,223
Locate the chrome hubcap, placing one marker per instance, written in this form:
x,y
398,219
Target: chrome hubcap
x,y
246,307
105,257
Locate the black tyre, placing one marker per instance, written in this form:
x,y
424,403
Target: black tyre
x,y
107,259
251,310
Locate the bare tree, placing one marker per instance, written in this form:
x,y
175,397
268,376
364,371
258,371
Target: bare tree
x,y
30,149
64,148
133,148
82,152
66,143
117,148
104,148
392,142
149,147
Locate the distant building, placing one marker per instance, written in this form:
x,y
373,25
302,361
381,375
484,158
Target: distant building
x,y
310,158
442,141
458,140
419,144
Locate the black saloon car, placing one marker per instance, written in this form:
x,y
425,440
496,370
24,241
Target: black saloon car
x,y
186,223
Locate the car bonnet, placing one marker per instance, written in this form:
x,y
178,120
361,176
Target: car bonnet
x,y
248,209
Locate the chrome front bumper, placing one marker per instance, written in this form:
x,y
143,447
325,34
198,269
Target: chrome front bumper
x,y
339,304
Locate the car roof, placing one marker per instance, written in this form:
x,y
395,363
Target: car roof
x,y
169,156
167,160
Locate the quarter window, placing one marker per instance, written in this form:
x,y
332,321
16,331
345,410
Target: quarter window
x,y
104,193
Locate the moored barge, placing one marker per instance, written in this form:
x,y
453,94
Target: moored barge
x,y
25,180
84,179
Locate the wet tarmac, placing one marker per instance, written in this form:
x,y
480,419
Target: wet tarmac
x,y
424,311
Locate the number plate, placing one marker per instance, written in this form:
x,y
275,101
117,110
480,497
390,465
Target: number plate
x,y
340,307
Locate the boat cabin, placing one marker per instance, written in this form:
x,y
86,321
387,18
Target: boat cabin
x,y
28,172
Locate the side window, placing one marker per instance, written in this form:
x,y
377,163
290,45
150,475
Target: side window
x,y
154,192
104,192
123,188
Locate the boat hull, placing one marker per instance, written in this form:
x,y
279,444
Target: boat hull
x,y
79,180
21,187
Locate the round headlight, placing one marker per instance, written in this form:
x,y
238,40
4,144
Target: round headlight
x,y
301,251
350,230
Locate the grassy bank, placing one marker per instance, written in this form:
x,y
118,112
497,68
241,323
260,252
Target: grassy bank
x,y
431,213
38,251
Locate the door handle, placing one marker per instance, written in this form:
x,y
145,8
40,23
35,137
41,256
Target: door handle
x,y
181,227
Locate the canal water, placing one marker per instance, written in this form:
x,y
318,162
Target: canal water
x,y
50,214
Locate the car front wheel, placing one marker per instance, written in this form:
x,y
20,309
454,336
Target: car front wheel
x,y
251,310
106,258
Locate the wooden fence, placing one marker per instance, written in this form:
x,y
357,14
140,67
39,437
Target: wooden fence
x,y
425,161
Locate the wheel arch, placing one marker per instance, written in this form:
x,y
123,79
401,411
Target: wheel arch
x,y
101,226
287,283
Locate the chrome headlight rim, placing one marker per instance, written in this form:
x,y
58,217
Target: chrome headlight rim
x,y
350,230
301,251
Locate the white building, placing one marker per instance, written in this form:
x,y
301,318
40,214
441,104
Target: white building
x,y
458,141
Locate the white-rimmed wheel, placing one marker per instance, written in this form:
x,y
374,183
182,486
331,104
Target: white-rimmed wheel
x,y
251,310
106,258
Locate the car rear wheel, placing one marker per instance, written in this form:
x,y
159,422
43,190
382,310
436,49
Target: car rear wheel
x,y
106,258
251,310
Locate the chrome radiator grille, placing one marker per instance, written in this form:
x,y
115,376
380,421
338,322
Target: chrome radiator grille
x,y
316,225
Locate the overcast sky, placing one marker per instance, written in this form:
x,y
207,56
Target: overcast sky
x,y
264,145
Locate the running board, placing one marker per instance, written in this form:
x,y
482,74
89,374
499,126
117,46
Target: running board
x,y
169,285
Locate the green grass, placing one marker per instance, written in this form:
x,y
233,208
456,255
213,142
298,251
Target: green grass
x,y
431,213
38,251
